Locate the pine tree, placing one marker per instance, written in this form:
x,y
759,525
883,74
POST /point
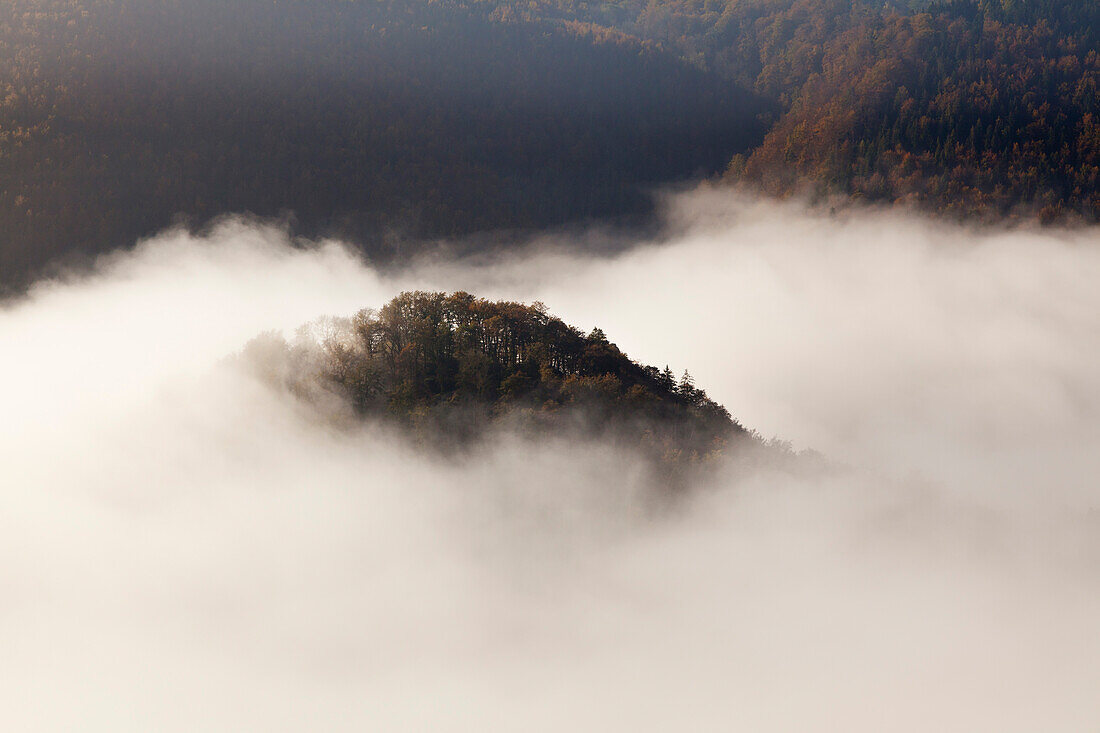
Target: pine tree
x,y
667,380
687,386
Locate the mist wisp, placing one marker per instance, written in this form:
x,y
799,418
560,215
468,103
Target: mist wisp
x,y
186,548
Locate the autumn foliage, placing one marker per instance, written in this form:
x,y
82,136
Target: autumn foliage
x,y
450,367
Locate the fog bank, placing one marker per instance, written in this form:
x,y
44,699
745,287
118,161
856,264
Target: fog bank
x,y
185,549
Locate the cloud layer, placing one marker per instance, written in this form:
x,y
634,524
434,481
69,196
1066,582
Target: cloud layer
x,y
184,549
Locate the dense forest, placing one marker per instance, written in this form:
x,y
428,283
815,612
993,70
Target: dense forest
x,y
383,122
392,122
976,109
449,367
985,108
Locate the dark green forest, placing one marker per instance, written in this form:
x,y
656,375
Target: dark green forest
x,y
449,367
394,122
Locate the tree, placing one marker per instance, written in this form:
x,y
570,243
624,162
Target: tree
x,y
687,385
451,364
667,380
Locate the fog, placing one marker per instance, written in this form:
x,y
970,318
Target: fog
x,y
184,548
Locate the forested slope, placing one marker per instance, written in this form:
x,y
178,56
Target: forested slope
x,y
379,121
984,108
968,109
390,121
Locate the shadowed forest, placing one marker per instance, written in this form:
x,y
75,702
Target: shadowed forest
x,y
388,123
971,108
380,122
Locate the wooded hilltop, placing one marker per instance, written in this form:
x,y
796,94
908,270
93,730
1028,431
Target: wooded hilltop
x,y
448,368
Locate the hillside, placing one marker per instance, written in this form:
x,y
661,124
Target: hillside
x,y
967,109
450,367
382,122
390,123
970,108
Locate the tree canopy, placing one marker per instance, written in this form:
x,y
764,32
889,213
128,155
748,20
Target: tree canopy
x,y
449,366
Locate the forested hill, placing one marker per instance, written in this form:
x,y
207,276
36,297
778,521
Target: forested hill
x,y
391,121
980,108
382,121
976,109
449,367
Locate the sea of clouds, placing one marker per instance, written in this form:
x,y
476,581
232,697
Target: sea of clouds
x,y
183,548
